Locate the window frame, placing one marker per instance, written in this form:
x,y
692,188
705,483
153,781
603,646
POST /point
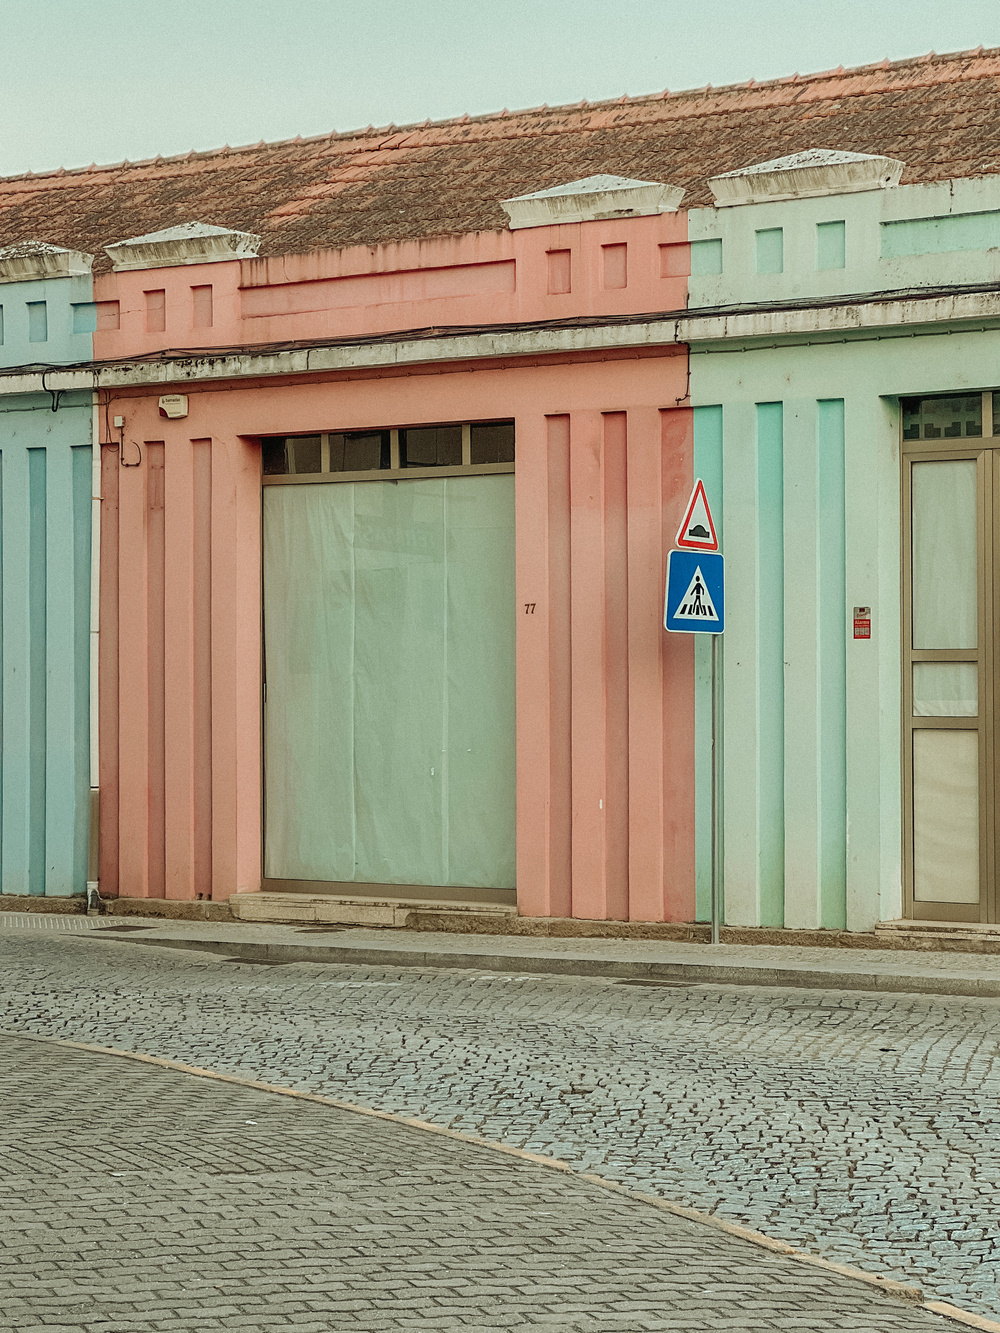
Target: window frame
x,y
394,472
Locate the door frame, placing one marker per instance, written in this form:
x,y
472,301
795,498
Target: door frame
x,y
985,451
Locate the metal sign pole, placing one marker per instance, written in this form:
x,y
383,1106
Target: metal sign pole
x,y
695,603
715,835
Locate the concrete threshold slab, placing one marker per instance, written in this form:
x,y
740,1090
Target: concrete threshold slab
x,y
693,964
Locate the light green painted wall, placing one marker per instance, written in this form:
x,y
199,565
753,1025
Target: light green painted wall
x,y
923,236
810,462
937,249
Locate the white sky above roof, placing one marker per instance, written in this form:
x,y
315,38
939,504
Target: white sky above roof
x,y
104,80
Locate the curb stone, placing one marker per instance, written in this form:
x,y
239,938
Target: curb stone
x,y
887,1286
719,974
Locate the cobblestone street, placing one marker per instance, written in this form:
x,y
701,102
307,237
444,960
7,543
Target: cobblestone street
x,y
188,1204
863,1128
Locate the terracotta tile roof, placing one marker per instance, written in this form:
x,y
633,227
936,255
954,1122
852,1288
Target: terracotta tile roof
x,y
940,114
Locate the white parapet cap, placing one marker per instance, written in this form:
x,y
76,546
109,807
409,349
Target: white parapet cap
x,y
190,243
28,261
818,171
593,199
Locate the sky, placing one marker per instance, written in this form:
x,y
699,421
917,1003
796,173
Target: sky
x,y
103,80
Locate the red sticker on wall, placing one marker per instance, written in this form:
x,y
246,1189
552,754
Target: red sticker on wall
x,y
862,622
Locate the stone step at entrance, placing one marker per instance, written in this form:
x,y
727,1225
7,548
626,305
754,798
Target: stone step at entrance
x,y
388,905
977,935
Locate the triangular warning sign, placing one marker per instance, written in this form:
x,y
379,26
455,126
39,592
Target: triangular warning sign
x,y
697,532
696,604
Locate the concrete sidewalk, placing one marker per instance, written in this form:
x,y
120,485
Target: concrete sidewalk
x,y
651,961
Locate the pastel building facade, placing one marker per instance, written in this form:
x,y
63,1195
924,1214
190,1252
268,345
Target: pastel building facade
x,y
854,402
385,507
479,743
47,317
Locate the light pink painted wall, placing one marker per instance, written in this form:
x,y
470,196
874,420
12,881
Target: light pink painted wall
x,y
604,461
180,660
604,704
483,278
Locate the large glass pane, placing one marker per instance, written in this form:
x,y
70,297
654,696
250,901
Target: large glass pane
x,y
946,816
942,418
389,725
359,451
492,442
945,689
431,446
944,554
304,454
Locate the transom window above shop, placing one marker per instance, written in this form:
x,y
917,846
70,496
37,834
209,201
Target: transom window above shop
x,y
369,455
944,417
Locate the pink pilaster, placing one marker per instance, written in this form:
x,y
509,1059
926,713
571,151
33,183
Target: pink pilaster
x,y
179,748
133,686
543,666
598,601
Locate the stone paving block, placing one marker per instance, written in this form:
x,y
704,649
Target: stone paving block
x,y
643,1085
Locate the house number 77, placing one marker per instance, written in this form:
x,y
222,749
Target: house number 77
x,y
529,608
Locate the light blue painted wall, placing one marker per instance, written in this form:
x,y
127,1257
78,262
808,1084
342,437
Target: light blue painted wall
x,y
45,554
45,482
62,305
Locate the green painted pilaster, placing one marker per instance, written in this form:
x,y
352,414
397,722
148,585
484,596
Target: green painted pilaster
x,y
770,665
37,668
82,481
832,619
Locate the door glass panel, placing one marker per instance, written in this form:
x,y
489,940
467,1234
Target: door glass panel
x,y
944,554
945,689
946,816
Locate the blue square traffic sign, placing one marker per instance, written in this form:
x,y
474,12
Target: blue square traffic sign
x,y
696,593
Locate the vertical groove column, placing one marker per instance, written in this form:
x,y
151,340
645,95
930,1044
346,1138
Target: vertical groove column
x,y
179,702
770,664
832,596
66,611
599,609
156,591
740,686
82,462
133,681
873,577
15,809
802,758
544,799
660,676
202,693
37,666
232,531
108,672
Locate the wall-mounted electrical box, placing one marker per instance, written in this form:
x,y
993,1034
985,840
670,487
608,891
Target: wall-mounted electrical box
x,y
174,405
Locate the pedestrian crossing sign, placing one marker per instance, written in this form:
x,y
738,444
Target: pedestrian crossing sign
x,y
695,600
